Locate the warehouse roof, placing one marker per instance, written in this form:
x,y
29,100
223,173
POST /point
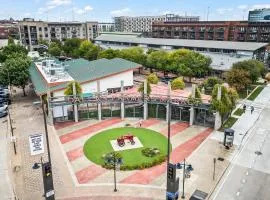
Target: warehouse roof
x,y
241,46
82,70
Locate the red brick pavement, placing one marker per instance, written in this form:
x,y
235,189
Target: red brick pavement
x,y
88,130
89,173
75,153
146,176
61,125
175,128
78,152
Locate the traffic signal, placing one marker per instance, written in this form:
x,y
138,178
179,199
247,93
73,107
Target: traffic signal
x,y
171,172
47,169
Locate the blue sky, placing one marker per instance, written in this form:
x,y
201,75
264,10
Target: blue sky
x,y
105,10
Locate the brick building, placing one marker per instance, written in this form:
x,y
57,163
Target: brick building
x,y
242,31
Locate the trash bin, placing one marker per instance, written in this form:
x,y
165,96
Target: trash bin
x,y
228,137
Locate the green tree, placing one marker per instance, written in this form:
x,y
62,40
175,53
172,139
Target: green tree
x,y
54,49
224,105
10,41
254,68
158,60
93,53
15,71
238,78
10,50
197,99
141,88
85,46
178,84
189,63
152,78
134,54
109,54
71,47
233,95
209,83
44,42
69,88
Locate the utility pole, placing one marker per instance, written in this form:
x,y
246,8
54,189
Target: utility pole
x,y
208,11
214,172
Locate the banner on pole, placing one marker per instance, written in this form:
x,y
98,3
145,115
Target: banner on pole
x,y
36,144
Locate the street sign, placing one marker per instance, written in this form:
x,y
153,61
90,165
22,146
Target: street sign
x,y
49,193
36,143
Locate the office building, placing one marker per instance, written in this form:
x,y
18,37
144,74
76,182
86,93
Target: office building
x,y
144,23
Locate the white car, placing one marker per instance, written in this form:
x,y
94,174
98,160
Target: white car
x,y
3,107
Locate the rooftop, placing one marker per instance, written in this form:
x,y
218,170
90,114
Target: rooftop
x,y
80,70
241,46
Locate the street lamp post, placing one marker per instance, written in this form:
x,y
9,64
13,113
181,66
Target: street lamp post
x,y
186,170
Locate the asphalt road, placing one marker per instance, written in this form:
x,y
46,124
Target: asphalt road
x,y
249,176
5,185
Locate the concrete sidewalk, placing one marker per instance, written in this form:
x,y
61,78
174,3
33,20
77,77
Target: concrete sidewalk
x,y
6,191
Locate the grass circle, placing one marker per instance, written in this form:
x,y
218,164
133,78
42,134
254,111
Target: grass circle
x,y
99,145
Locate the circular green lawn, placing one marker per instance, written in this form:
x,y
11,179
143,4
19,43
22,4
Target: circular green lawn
x,y
99,145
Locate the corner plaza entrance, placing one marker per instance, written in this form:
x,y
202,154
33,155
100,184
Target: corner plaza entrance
x,y
130,105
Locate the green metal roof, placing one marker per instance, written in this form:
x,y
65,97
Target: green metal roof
x,y
82,70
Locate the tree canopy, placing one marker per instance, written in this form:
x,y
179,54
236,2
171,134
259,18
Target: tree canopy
x,y
152,78
178,84
71,47
109,53
238,78
69,88
15,71
11,49
54,49
254,68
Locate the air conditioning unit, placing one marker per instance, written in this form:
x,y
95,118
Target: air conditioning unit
x,y
52,72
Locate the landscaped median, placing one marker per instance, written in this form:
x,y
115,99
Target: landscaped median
x,y
255,93
153,143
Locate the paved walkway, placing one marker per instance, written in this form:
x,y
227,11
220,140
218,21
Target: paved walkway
x,y
5,182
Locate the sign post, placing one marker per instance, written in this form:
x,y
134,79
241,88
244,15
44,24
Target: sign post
x,y
36,143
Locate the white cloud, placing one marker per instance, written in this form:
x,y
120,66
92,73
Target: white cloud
x,y
242,7
223,11
81,11
259,6
121,12
56,3
88,8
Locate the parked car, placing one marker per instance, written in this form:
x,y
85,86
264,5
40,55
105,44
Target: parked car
x,y
3,113
4,100
3,107
166,79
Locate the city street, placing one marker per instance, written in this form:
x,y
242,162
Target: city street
x,y
248,177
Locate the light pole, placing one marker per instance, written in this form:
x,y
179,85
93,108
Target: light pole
x,y
46,167
186,170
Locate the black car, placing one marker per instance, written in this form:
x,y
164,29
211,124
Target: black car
x,y
165,79
4,100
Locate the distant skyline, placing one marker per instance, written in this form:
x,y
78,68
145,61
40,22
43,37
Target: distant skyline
x,y
105,10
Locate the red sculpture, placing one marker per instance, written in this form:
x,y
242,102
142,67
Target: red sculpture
x,y
121,139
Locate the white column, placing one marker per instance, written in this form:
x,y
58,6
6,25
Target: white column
x,y
145,105
192,110
99,103
50,117
122,101
75,104
218,122
168,103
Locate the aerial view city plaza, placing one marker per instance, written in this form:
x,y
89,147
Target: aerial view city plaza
x,y
134,100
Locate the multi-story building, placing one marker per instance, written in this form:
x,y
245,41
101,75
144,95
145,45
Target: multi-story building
x,y
256,29
144,23
106,27
32,31
9,28
214,30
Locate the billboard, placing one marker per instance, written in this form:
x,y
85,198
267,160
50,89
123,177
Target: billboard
x,y
262,15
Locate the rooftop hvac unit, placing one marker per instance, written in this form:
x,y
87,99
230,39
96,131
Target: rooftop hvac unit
x,y
52,72
44,63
